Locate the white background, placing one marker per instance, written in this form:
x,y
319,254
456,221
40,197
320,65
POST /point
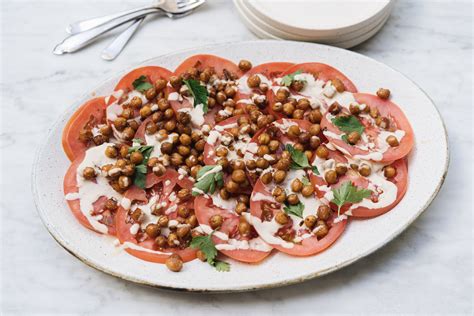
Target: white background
x,y
427,269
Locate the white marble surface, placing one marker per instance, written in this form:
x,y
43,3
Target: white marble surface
x,y
428,269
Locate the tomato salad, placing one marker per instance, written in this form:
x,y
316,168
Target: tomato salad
x,y
218,161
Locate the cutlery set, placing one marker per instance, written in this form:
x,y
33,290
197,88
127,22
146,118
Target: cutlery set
x,y
83,33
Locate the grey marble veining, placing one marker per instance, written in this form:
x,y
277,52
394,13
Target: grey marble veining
x,y
427,269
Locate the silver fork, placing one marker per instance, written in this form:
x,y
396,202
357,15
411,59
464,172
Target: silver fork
x,y
118,44
171,6
77,41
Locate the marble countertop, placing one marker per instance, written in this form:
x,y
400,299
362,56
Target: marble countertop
x,y
427,269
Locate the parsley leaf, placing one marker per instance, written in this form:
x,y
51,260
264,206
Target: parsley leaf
x,y
208,182
296,210
348,193
348,124
207,246
141,84
299,160
198,92
139,178
288,79
305,180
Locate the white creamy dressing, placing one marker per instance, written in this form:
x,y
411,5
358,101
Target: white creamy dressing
x,y
244,87
114,110
90,191
267,230
147,209
196,113
228,204
156,141
235,244
285,125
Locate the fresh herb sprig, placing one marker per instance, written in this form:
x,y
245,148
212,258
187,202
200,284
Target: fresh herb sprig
x,y
288,79
348,193
296,210
199,93
207,246
139,178
207,181
348,124
141,84
299,160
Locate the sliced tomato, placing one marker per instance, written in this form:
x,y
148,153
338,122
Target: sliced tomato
x,y
322,72
149,253
90,113
205,209
210,149
70,187
204,61
309,246
386,109
153,73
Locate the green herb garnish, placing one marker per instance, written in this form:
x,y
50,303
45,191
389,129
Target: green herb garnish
x,y
208,182
305,180
299,160
207,246
288,79
296,210
348,124
348,193
139,178
198,92
141,84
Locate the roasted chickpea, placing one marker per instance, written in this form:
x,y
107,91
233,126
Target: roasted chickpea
x,y
163,104
281,218
124,182
176,81
263,150
338,85
264,139
324,212
296,185
152,230
279,176
298,114
174,262
150,93
297,85
341,169
314,142
277,107
120,123
330,176
365,170
266,177
184,194
310,221
389,172
282,94
106,130
136,157
160,84
334,108
124,151
199,145
232,186
244,228
253,81
293,199
354,109
137,215
201,255
383,93
294,131
160,241
176,159
85,135
216,221
192,221
304,137
392,141
111,204
283,164
245,65
303,104
88,173
184,150
307,190
288,108
322,229
151,128
238,176
322,152
163,221
262,163
128,133
353,137
251,164
183,231
374,112
315,116
240,208
145,111
111,152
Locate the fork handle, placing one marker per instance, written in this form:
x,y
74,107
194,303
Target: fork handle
x,y
113,49
88,24
77,41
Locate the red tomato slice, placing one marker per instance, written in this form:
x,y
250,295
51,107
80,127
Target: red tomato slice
x,y
92,112
204,210
123,225
70,186
386,109
153,73
208,61
210,149
309,246
323,72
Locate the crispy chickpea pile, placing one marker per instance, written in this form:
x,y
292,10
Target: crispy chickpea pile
x,y
296,109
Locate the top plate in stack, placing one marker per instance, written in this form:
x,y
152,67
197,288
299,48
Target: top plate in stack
x,y
342,23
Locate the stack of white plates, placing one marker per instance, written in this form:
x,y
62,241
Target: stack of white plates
x,y
342,23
